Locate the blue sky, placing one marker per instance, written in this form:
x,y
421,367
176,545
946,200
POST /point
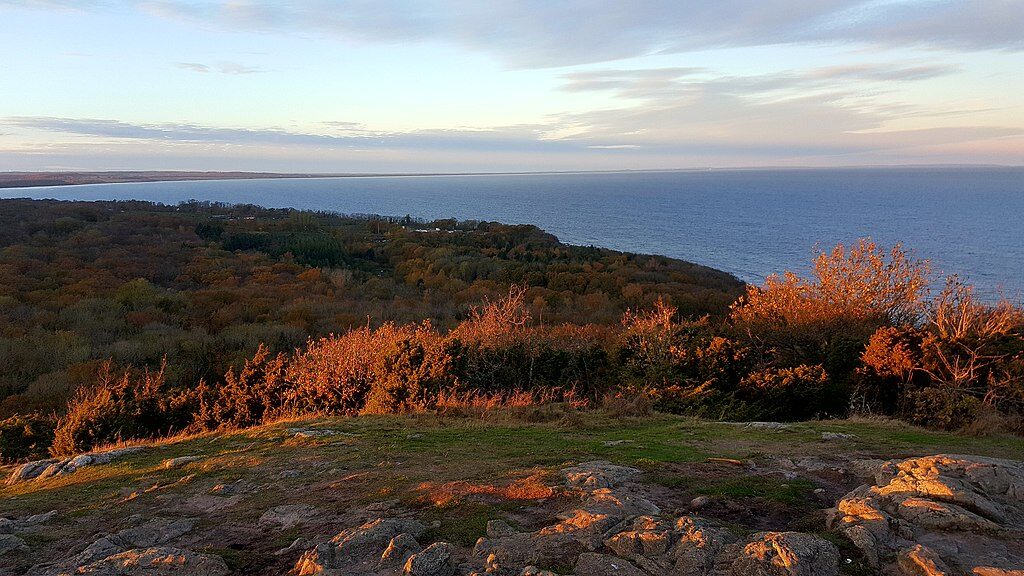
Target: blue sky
x,y
464,85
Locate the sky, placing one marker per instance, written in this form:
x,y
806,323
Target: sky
x,y
358,86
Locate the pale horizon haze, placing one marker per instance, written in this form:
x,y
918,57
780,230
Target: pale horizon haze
x,y
438,86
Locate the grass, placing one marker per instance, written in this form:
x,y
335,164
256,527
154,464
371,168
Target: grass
x,y
432,448
790,492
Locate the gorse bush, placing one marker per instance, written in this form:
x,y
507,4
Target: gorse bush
x,y
121,407
24,438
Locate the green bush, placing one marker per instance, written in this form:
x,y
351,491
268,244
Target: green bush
x,y
942,408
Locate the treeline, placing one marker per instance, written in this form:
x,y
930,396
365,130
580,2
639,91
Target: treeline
x,y
862,335
198,287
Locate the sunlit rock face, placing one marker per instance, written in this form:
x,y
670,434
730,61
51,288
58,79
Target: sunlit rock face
x,y
939,514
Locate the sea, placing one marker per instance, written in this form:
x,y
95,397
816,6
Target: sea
x,y
965,220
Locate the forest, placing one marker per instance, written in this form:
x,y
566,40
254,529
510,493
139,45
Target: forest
x,y
126,320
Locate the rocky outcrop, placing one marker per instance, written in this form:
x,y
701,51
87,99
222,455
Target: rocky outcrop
x,y
617,530
289,515
156,562
11,543
12,525
180,461
598,474
943,514
435,560
371,548
787,554
53,467
135,550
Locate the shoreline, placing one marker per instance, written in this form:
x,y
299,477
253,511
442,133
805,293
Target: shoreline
x,y
10,180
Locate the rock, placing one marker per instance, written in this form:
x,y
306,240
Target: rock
x,y
382,506
29,470
864,468
156,562
698,546
534,571
921,561
648,536
289,474
774,426
363,545
598,474
400,549
11,543
547,546
180,461
787,554
143,543
498,529
965,512
236,487
10,525
289,515
376,534
51,468
620,503
154,532
590,564
297,544
611,505
316,432
434,560
699,502
836,436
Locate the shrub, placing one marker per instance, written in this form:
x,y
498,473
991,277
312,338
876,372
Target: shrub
x,y
889,363
797,393
622,405
851,293
942,408
25,438
251,397
120,407
333,375
413,366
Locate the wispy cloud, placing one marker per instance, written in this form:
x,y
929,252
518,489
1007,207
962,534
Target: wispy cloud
x,y
232,68
192,66
510,138
530,33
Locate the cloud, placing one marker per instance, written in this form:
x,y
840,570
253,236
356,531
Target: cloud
x,y
536,33
232,68
192,66
665,117
653,83
511,138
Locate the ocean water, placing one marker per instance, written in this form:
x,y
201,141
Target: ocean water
x,y
751,223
